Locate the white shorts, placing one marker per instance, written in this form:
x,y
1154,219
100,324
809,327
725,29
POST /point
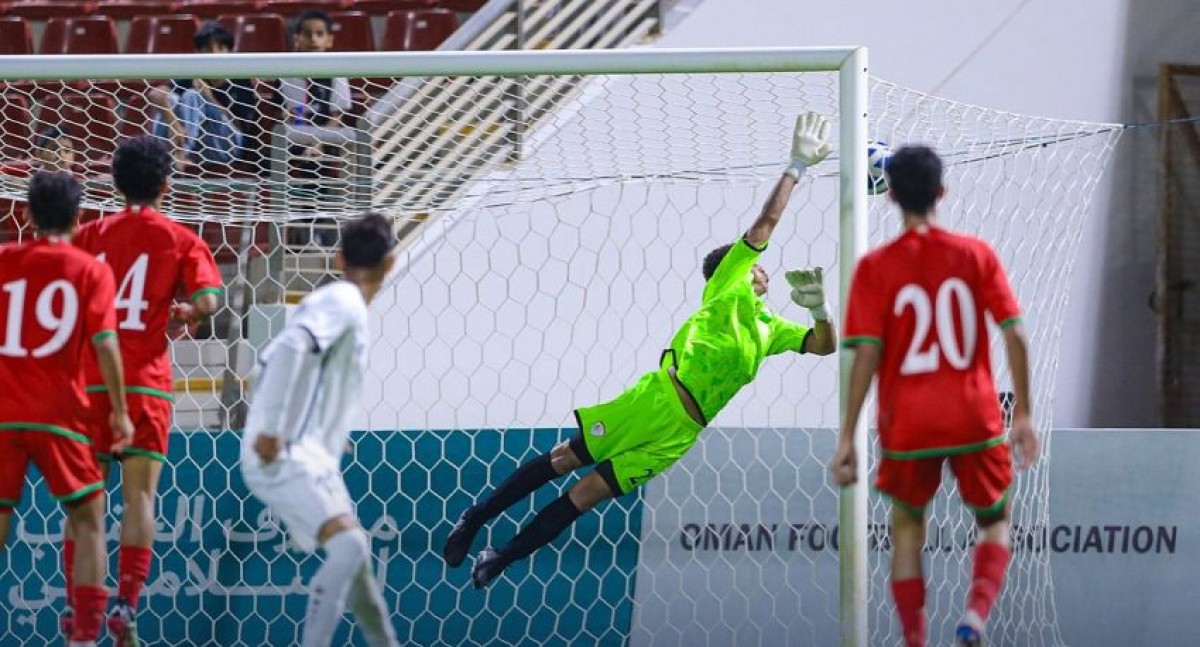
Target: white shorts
x,y
303,494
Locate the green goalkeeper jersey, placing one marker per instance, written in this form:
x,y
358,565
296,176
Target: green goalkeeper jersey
x,y
718,349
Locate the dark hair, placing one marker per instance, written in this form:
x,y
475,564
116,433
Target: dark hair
x,y
311,14
366,240
49,135
140,167
714,259
212,32
54,200
914,176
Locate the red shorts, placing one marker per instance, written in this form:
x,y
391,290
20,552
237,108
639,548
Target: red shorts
x,y
151,417
67,464
983,478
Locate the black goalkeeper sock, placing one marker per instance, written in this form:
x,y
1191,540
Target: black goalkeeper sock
x,y
547,525
523,482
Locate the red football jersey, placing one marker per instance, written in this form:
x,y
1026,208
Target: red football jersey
x,y
924,297
54,300
153,260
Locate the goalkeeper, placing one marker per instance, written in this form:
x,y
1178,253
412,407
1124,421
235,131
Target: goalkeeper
x,y
647,428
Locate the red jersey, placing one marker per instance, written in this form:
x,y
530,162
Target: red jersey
x,y
924,297
54,301
153,260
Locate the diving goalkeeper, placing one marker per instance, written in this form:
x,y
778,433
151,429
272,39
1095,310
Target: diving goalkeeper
x,y
646,429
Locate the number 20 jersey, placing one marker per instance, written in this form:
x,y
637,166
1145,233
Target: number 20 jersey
x,y
154,260
54,301
923,297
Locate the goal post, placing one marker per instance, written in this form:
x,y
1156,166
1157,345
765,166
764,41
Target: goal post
x,y
553,209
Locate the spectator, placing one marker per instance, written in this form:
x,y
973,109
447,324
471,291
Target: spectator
x,y
314,102
54,150
210,120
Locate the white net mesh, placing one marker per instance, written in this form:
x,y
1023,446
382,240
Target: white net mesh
x,y
553,231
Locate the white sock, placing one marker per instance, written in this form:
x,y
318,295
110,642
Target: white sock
x,y
345,553
367,605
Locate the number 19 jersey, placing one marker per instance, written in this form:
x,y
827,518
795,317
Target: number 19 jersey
x,y
924,298
154,259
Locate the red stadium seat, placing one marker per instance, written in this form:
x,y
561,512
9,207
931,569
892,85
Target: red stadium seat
x,y
410,31
465,6
80,35
291,8
352,32
376,7
210,9
15,36
161,35
47,9
257,32
128,9
91,119
16,126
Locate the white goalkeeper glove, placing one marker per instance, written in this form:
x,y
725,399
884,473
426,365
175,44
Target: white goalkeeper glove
x,y
808,291
810,143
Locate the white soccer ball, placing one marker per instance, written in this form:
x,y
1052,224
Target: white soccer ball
x,y
878,154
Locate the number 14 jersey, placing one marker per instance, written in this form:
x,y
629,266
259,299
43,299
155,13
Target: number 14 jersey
x,y
154,260
924,298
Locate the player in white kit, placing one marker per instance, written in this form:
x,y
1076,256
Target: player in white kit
x,y
307,380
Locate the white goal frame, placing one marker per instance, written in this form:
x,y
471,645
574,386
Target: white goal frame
x,y
849,62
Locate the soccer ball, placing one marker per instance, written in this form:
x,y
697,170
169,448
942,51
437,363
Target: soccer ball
x,y
878,154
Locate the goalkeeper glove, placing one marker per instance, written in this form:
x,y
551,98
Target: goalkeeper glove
x,y
810,143
808,291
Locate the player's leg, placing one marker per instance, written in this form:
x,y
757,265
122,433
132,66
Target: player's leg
x,y
548,524
66,622
347,550
985,480
910,484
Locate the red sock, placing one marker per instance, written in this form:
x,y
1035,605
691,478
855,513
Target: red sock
x,y
987,577
68,558
90,604
133,568
909,596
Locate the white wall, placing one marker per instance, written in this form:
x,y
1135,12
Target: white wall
x,y
1070,59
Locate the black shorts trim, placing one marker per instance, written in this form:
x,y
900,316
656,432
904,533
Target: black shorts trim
x,y
605,470
578,445
804,342
703,418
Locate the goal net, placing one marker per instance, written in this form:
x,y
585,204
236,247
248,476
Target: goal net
x,y
552,230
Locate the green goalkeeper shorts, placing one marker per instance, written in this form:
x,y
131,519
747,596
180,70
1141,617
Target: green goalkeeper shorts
x,y
641,432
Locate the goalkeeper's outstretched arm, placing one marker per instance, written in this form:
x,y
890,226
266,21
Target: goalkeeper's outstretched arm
x,y
810,145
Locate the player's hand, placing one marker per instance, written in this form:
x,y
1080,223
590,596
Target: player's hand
x,y
844,464
122,431
810,142
808,287
268,448
185,314
1025,443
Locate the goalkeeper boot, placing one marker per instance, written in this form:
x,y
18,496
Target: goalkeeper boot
x,y
968,636
123,625
458,544
488,566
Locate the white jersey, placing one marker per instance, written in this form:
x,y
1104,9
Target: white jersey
x,y
310,376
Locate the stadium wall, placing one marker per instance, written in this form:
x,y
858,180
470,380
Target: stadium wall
x,y
1124,551
1071,59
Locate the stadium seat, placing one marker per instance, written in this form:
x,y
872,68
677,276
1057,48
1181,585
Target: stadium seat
x,y
15,36
410,31
47,9
352,32
291,8
16,126
257,32
80,35
161,35
378,7
90,118
129,9
465,6
211,9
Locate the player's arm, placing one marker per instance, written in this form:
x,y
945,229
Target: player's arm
x,y
844,464
108,356
202,280
810,145
294,355
1023,436
808,291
